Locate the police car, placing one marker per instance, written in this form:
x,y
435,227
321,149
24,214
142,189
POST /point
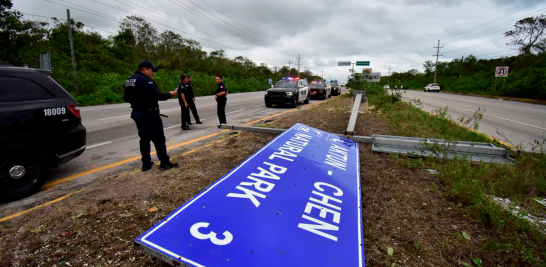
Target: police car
x,y
320,89
336,89
290,91
40,128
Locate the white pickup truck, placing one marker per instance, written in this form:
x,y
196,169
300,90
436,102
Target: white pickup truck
x,y
433,87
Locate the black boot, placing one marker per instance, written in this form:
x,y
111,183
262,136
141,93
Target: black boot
x,y
147,166
168,166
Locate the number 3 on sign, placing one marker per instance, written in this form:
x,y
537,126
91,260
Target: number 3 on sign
x,y
194,230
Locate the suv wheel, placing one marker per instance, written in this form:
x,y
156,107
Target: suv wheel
x,y
306,100
23,171
267,104
294,103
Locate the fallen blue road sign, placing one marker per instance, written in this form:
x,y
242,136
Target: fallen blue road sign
x,y
295,202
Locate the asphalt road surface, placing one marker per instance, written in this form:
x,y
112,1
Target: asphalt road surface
x,y
512,122
112,139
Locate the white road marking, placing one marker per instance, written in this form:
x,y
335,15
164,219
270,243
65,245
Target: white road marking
x,y
259,106
174,126
96,145
124,116
235,111
257,97
501,118
178,125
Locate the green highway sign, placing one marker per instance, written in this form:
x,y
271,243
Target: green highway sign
x,y
363,63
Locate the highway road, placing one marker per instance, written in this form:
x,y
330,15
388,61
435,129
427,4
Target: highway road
x,y
512,122
113,142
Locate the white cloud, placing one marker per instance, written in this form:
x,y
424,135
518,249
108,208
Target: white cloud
x,y
396,33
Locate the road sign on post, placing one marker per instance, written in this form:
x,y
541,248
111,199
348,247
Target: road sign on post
x,y
501,71
292,203
344,63
374,77
363,63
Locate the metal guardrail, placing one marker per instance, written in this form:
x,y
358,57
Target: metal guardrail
x,y
360,139
358,98
423,147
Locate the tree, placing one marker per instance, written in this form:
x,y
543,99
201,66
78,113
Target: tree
x,y
529,35
428,66
144,33
16,35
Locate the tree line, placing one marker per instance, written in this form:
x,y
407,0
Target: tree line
x,y
527,71
103,63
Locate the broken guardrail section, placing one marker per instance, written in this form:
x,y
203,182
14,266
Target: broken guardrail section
x,y
423,147
295,202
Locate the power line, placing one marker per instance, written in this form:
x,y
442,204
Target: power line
x,y
243,32
53,18
241,24
94,12
495,19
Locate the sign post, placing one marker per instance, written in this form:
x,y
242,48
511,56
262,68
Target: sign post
x,y
295,202
501,72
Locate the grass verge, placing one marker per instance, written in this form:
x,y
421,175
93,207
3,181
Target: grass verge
x,y
473,186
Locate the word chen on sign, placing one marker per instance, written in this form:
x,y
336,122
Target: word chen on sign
x,y
295,202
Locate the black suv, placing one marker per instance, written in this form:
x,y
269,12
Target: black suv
x,y
40,128
336,89
289,92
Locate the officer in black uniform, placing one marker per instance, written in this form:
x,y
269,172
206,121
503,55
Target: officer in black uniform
x,y
190,98
183,101
143,95
221,99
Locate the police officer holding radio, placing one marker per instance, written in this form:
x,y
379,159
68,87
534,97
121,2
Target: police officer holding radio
x,y
183,100
143,95
221,99
190,98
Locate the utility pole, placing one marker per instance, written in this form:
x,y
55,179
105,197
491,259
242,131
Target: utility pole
x,y
353,71
389,77
461,66
322,76
289,63
68,23
299,64
437,55
275,72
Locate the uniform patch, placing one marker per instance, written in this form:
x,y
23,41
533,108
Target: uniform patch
x,y
150,82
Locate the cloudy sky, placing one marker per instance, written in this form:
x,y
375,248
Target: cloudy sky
x,y
396,33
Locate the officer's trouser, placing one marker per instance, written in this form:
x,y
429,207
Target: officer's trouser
x,y
150,128
221,110
193,109
185,116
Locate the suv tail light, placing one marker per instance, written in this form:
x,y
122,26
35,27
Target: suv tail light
x,y
75,109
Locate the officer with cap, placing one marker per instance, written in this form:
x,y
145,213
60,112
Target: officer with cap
x,y
183,99
221,99
143,95
190,98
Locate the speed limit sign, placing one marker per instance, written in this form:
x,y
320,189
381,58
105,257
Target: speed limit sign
x,y
501,72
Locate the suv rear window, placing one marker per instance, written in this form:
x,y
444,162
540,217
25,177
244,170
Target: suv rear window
x,y
14,89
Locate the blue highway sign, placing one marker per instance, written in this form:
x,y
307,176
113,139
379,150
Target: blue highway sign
x,y
295,202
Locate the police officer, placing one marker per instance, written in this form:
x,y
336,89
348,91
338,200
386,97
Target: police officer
x,y
183,101
190,98
221,99
143,95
